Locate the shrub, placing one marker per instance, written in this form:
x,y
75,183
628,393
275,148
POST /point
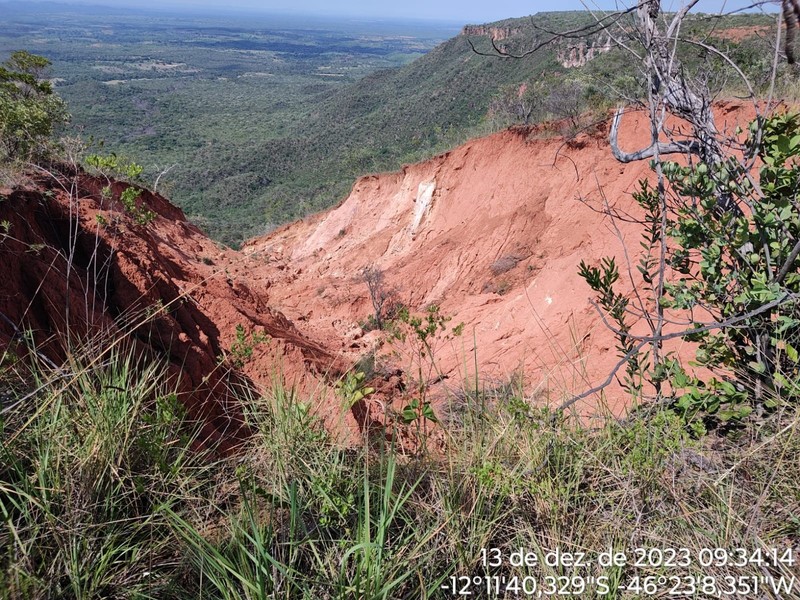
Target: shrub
x,y
737,264
29,109
384,299
567,100
519,103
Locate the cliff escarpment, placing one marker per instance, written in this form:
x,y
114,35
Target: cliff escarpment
x,y
492,233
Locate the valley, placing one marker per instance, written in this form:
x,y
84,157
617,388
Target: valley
x,y
198,94
352,309
257,121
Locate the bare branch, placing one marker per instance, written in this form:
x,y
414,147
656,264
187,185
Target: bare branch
x,y
751,93
644,340
661,148
599,25
788,264
678,18
791,14
501,53
160,175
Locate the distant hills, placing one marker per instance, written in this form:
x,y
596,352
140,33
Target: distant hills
x,y
263,121
386,119
397,116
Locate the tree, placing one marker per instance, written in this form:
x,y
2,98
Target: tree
x,y
567,100
519,103
717,241
384,299
29,108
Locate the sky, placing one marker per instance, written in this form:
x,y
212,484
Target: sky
x,y
461,11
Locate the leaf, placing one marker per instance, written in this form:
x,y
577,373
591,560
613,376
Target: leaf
x,y
427,412
409,414
736,414
783,144
728,388
698,428
781,381
757,367
680,380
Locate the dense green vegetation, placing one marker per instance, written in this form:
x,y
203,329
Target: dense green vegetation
x,y
199,93
29,110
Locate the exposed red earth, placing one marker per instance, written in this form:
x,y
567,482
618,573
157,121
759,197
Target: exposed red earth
x,y
170,289
492,232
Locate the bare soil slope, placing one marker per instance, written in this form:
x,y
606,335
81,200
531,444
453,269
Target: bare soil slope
x,y
493,233
81,275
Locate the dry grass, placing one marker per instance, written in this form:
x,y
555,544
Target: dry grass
x,y
102,498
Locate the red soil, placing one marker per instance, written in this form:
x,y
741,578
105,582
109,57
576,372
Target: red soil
x,y
492,232
171,290
737,34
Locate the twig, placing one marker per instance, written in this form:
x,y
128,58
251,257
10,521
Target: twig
x,y
643,340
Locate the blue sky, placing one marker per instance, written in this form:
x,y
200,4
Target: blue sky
x,y
462,11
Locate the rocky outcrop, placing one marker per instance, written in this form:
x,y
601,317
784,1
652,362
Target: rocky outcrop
x,y
577,55
495,32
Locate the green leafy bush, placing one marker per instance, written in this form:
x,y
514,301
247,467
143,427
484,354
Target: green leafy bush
x,y
738,266
128,197
29,109
113,167
242,349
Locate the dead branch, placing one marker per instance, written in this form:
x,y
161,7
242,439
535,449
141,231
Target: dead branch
x,y
660,148
644,340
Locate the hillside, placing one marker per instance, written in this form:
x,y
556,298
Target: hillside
x,y
132,344
181,90
491,232
103,284
387,119
259,123
402,115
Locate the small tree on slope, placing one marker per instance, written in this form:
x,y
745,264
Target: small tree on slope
x,y
714,237
716,242
29,109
